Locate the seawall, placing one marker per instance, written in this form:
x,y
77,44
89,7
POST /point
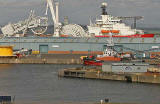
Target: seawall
x,y
43,59
93,73
40,61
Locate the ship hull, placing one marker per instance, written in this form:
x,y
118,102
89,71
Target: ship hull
x,y
130,36
109,58
92,63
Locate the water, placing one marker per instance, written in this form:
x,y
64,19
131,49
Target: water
x,y
39,83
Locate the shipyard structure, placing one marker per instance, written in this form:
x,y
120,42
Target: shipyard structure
x,y
73,39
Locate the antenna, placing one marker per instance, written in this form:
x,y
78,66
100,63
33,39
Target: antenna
x,y
90,21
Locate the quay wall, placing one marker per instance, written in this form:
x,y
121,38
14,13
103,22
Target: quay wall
x,y
40,61
43,59
128,77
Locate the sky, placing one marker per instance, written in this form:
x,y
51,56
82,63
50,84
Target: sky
x,y
79,11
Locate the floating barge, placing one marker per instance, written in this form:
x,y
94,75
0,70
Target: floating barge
x,y
137,74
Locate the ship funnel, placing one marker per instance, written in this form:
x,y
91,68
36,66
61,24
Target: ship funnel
x,y
103,6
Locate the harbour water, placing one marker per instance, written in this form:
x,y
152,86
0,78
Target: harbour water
x,y
40,84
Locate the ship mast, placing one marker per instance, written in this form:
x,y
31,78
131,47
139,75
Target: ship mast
x,y
104,12
104,5
110,40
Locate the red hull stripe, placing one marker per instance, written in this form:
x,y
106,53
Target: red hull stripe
x,y
131,36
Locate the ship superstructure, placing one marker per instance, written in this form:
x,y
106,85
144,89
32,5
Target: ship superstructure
x,y
109,54
108,23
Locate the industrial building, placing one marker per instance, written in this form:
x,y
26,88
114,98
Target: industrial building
x,y
81,45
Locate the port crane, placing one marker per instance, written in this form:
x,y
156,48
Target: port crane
x,y
55,15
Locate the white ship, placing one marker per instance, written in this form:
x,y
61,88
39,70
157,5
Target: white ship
x,y
110,24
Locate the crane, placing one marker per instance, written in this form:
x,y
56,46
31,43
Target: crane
x,y
135,18
55,16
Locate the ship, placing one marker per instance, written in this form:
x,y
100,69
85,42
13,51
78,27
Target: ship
x,y
109,53
110,24
91,61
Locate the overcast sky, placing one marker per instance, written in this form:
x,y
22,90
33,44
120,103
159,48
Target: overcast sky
x,y
79,11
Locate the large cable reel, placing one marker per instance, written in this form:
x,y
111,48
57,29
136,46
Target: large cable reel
x,y
42,25
73,30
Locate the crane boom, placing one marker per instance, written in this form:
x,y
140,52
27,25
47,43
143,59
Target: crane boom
x,y
51,6
135,18
132,17
55,16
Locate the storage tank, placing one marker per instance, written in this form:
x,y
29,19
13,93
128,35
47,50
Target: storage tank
x,y
6,51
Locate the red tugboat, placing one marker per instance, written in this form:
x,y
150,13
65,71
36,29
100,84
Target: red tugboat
x,y
109,54
91,61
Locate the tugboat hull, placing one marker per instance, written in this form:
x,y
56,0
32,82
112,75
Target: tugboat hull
x,y
93,62
109,58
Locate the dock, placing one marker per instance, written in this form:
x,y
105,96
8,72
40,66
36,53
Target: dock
x,y
43,59
53,59
96,73
40,61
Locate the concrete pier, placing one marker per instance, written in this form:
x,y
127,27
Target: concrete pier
x,y
98,74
